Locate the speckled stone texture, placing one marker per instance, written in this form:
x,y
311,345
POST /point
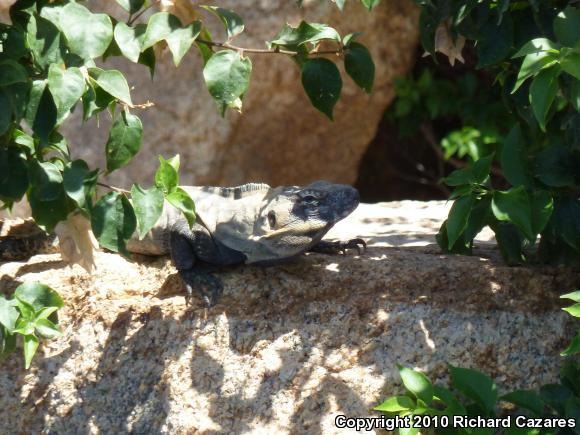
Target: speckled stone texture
x,y
289,347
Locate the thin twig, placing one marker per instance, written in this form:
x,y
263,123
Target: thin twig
x,y
113,188
261,50
138,106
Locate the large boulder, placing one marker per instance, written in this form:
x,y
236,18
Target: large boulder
x,y
279,138
289,347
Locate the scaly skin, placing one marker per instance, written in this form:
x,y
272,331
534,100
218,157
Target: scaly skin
x,y
252,223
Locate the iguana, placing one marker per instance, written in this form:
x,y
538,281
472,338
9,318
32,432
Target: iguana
x,y
253,224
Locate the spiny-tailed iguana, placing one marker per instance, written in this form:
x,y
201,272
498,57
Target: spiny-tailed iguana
x,y
252,223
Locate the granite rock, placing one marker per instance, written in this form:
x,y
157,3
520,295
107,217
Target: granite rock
x,y
288,347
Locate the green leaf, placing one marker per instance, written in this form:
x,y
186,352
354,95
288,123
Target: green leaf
x,y
124,140
13,174
166,176
542,206
8,314
147,58
571,64
46,179
575,296
232,22
573,411
12,72
66,86
448,398
148,205
38,295
48,213
555,396
45,119
567,26
510,242
174,162
555,167
159,27
27,315
542,93
527,399
181,200
45,42
95,100
514,206
458,217
575,94
573,347
30,346
131,6
23,139
573,310
24,326
7,342
12,42
113,222
351,37
481,168
113,82
129,39
494,42
227,77
370,4
46,328
533,63
396,404
204,49
322,83
87,34
537,46
179,41
34,98
513,159
6,113
359,64
46,312
294,37
74,181
417,383
475,385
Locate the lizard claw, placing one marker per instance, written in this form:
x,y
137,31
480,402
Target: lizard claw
x,y
359,244
327,247
201,280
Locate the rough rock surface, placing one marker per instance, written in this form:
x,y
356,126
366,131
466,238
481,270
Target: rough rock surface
x,y
289,347
280,138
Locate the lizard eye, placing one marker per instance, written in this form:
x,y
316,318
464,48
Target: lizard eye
x,y
272,218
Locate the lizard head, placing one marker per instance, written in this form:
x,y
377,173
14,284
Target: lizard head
x,y
291,219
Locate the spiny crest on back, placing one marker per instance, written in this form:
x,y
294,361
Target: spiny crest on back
x,y
238,192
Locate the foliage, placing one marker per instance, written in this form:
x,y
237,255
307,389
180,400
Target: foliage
x,y
430,101
532,50
573,310
30,313
474,394
48,68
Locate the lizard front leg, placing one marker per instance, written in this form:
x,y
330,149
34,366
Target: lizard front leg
x,y
192,250
333,248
